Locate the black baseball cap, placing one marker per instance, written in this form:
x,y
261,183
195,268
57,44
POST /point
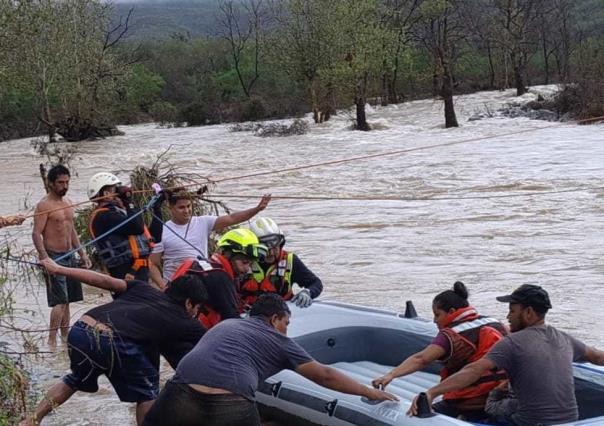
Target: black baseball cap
x,y
528,295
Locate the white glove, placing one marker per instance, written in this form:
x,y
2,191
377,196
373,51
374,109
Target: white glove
x,y
302,299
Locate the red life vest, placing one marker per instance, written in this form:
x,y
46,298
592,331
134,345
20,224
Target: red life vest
x,y
115,250
276,279
208,316
471,336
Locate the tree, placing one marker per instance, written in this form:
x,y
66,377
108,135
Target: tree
x,y
242,25
440,31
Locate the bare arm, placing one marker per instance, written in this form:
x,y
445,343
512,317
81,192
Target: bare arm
x,y
333,379
92,278
241,216
463,378
36,234
412,364
75,242
155,259
594,355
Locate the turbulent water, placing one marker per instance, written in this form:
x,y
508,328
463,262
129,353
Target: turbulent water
x,y
382,253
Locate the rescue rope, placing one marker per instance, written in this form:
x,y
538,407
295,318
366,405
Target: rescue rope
x,y
202,256
332,162
395,198
116,227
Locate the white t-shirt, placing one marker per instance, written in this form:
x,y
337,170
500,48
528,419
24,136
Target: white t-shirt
x,y
174,250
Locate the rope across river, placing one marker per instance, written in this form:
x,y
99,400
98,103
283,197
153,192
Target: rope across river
x,y
352,159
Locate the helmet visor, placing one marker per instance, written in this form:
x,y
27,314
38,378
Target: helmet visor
x,y
272,240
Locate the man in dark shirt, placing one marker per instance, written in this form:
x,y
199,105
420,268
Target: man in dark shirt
x,y
538,361
215,382
116,339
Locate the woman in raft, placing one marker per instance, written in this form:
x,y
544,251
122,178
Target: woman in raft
x,y
464,336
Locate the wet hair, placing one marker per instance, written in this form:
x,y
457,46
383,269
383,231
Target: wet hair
x,y
456,298
188,287
56,171
178,194
268,305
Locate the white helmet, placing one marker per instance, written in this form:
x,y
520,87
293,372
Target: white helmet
x,y
267,231
100,180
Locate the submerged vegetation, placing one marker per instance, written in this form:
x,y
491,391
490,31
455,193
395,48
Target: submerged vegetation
x,y
77,68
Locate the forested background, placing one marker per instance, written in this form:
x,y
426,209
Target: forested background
x,y
77,68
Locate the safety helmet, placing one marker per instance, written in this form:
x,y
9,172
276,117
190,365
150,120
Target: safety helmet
x,y
268,232
242,241
100,180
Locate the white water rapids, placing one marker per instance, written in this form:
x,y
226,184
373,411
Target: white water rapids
x,y
380,253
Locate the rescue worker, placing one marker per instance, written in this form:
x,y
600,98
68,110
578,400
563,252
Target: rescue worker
x,y
237,249
125,251
279,270
122,339
464,337
215,383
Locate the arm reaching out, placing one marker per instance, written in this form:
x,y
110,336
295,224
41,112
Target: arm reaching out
x,y
238,217
92,278
333,379
463,378
412,364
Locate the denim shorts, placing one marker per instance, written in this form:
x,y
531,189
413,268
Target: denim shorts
x,y
92,353
61,290
180,405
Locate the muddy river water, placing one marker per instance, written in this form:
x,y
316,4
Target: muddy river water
x,y
469,225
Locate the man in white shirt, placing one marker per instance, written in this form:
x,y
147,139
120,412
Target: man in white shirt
x,y
196,230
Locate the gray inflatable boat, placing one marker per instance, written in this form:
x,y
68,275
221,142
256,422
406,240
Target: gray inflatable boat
x,y
366,343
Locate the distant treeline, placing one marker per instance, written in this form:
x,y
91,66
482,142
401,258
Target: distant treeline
x,y
76,68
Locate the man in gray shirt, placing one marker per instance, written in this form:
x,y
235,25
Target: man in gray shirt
x,y
215,382
538,361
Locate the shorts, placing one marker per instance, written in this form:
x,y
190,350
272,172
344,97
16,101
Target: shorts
x,y
61,290
93,353
179,404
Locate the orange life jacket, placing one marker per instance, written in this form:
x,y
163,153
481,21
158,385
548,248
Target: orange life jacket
x,y
471,336
115,250
208,316
276,279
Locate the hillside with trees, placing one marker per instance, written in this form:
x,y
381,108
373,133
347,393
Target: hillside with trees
x,y
78,68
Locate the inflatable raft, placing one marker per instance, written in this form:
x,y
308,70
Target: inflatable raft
x,y
366,343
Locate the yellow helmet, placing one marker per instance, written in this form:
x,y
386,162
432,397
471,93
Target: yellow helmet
x,y
242,241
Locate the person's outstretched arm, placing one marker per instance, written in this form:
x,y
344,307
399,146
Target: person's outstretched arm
x,y
331,378
593,355
412,364
92,278
462,379
241,216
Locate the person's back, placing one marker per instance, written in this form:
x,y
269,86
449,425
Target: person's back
x,y
538,361
237,354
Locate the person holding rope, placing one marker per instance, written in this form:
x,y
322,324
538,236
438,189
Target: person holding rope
x,y
54,235
279,270
13,220
125,251
186,236
121,338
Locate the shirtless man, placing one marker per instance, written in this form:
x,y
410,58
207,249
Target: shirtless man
x,y
54,235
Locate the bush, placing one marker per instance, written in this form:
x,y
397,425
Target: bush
x,y
164,113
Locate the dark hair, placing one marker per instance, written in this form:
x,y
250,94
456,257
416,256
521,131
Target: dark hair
x,y
56,171
539,309
188,287
268,305
177,194
456,298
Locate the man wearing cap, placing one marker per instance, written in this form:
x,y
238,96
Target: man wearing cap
x,y
537,359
